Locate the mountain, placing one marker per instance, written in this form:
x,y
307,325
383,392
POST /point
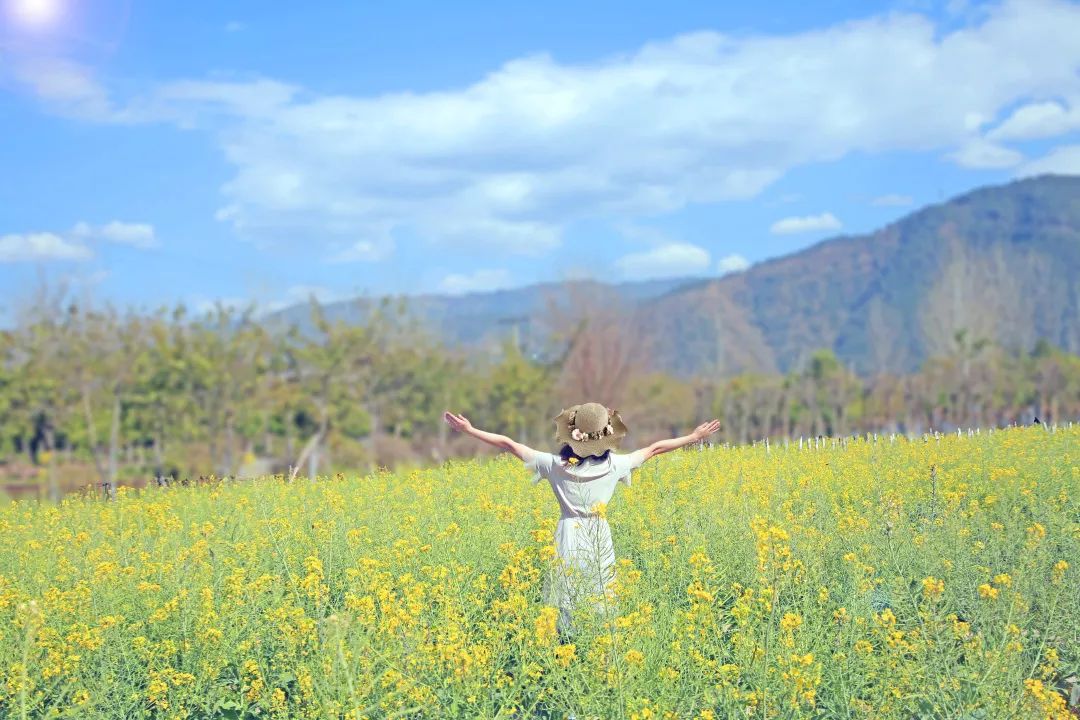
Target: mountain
x,y
487,318
1002,263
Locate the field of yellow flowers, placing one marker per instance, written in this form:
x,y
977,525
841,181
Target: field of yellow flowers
x,y
934,577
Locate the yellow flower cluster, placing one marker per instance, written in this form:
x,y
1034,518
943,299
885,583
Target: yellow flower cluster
x,y
844,581
933,587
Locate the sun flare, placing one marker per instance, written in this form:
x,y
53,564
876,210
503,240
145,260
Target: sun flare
x,y
36,13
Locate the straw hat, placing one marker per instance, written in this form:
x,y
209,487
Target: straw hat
x,y
589,429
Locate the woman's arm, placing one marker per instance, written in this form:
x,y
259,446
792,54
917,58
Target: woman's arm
x,y
461,424
662,446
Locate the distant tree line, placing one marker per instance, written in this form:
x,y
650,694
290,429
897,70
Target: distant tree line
x,y
92,394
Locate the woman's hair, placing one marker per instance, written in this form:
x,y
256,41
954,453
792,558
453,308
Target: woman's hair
x,y
567,452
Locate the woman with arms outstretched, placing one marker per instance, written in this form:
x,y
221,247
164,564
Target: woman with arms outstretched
x,y
583,476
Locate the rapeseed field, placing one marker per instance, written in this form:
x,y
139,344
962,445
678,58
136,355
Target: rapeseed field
x,y
869,578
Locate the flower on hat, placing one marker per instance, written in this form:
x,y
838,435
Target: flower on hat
x,y
577,434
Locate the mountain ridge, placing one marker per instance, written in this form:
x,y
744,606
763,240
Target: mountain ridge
x,y
1001,262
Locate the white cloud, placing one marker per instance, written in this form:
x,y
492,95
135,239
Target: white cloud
x,y
192,100
365,251
72,244
1037,120
92,279
139,235
509,161
476,281
40,246
808,223
64,86
670,260
1062,160
892,200
985,155
732,264
957,7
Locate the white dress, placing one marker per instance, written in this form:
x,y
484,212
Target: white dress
x,y
585,564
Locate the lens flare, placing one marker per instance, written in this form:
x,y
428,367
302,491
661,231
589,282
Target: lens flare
x,y
35,13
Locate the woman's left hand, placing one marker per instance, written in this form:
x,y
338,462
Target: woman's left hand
x,y
458,423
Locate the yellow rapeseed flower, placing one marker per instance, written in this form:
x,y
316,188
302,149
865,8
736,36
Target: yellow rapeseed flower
x,y
933,587
1058,572
546,625
565,654
791,621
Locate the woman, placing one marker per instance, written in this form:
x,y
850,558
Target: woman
x,y
583,477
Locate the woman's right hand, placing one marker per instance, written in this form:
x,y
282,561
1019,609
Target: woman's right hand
x,y
704,430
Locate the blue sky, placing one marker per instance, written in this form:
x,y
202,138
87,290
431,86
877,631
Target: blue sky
x,y
156,153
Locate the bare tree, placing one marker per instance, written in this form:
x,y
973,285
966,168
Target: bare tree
x,y
603,348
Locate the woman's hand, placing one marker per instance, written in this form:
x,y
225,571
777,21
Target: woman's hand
x,y
457,423
461,424
701,432
704,430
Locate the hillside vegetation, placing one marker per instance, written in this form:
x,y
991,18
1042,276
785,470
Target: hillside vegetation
x,y
1002,263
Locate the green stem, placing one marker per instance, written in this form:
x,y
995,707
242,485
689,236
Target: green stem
x,y
1042,647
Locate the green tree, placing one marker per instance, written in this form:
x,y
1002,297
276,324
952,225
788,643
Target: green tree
x,y
518,394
